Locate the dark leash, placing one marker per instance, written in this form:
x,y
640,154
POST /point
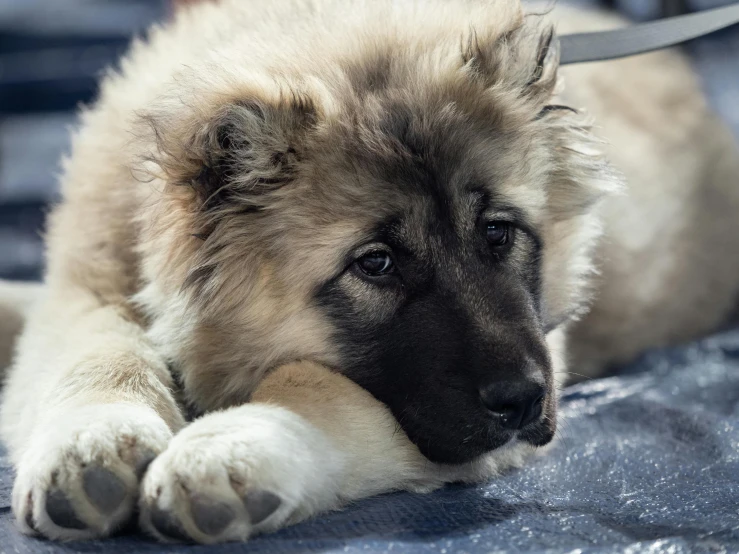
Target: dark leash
x,y
645,37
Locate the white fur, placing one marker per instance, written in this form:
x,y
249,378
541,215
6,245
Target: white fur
x,y
117,437
226,454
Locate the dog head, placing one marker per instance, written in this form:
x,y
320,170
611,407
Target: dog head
x,y
412,210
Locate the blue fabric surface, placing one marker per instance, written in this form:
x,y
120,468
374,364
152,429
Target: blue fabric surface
x,y
648,461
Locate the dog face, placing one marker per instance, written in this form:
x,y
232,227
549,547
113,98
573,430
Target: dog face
x,y
438,315
414,216
436,307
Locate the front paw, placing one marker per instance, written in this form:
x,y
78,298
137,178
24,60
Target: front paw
x,y
235,473
79,477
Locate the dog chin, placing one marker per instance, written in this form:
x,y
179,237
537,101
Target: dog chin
x,y
451,453
459,454
537,436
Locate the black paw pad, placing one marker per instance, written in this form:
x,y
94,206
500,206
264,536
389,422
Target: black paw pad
x,y
60,511
143,464
210,516
104,489
167,525
261,504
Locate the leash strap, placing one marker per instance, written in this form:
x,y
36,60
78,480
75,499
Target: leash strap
x,y
645,37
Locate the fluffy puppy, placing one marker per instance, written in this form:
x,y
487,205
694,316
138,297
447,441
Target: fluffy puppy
x,y
351,237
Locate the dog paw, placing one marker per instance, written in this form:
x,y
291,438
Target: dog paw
x,y
236,473
80,478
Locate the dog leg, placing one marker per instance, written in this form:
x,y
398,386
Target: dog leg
x,y
86,406
310,441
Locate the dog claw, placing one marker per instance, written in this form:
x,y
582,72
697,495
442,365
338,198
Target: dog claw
x,y
29,513
261,504
61,512
29,522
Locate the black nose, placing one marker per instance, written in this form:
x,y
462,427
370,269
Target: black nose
x,y
514,403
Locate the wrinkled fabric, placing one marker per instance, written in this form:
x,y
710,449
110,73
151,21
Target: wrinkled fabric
x,y
644,462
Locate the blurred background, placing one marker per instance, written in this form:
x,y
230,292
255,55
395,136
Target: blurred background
x,y
52,53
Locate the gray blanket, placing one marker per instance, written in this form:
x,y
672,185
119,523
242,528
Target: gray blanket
x,y
648,461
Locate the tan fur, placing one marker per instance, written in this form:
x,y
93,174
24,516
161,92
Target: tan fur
x,y
668,267
141,273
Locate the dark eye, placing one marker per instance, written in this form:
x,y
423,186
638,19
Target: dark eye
x,y
376,263
498,233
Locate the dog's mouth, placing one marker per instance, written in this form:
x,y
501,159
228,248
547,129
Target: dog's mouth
x,y
540,434
460,443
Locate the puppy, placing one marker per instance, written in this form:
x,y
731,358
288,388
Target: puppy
x,y
350,239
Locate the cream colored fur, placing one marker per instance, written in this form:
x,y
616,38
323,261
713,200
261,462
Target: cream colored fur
x,y
15,302
90,383
668,265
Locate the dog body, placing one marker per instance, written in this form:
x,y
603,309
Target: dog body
x,y
354,238
667,264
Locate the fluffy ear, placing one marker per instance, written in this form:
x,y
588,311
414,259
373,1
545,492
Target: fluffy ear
x,y
234,155
523,61
543,78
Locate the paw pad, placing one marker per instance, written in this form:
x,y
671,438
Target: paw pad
x,y
260,505
104,489
60,511
144,462
167,525
81,481
210,516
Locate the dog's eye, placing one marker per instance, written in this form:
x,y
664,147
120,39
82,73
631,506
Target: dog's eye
x,y
376,264
498,233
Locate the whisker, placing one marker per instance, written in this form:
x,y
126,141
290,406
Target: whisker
x,y
587,377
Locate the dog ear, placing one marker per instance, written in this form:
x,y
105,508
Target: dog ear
x,y
248,149
543,77
233,155
523,61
